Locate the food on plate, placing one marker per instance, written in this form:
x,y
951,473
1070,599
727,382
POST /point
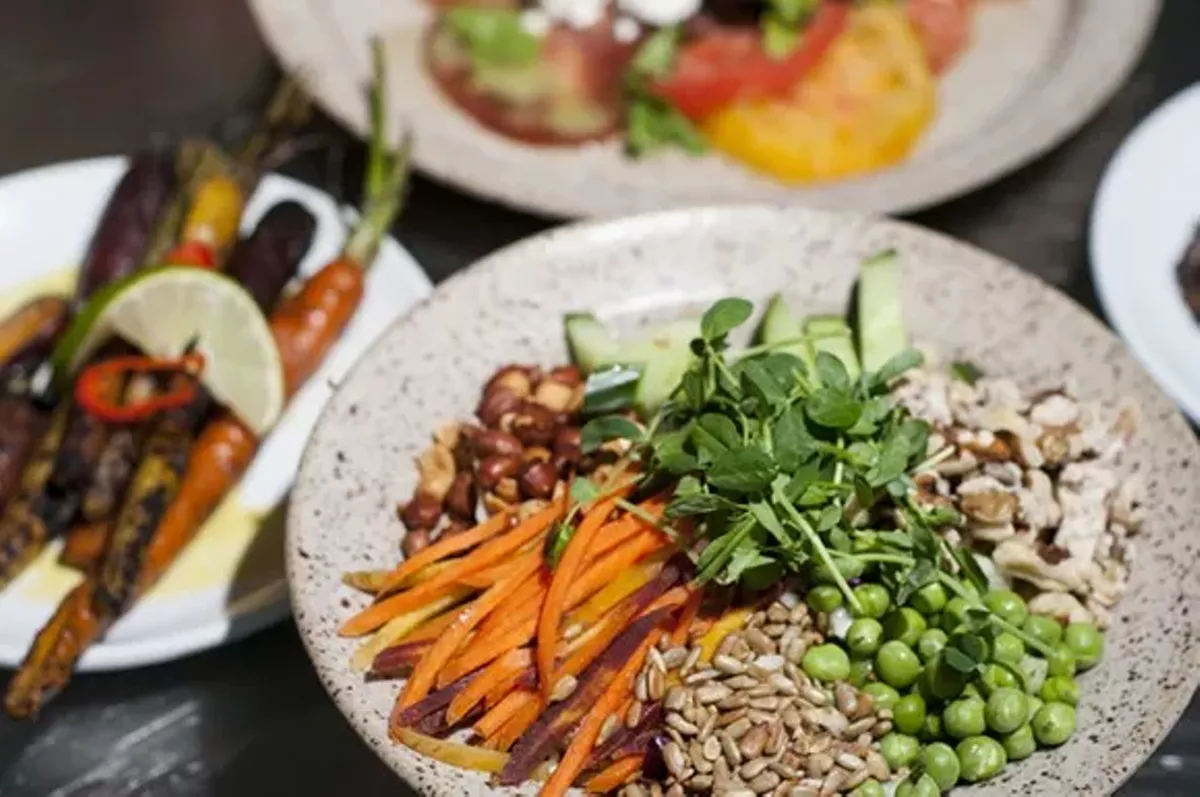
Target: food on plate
x,y
822,563
801,90
174,408
1188,274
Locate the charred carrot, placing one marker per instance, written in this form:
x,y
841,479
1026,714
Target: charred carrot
x,y
23,530
616,774
584,741
445,548
377,614
35,324
426,670
553,608
83,548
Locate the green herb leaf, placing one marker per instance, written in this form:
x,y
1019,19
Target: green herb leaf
x,y
725,316
764,513
656,56
763,385
742,470
966,371
971,569
670,452
494,36
651,123
794,12
892,461
832,372
974,647
833,409
584,491
713,435
790,440
556,543
698,504
829,518
779,37
959,661
896,367
600,430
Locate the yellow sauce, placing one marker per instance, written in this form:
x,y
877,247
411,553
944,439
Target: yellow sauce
x,y
229,549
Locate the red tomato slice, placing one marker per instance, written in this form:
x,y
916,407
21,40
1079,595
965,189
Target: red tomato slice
x,y
944,27
729,64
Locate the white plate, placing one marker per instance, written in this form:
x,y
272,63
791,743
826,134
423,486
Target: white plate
x,y
230,581
1143,218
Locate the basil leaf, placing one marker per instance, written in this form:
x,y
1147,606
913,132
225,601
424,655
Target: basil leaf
x,y
724,316
966,371
600,430
494,36
742,470
833,409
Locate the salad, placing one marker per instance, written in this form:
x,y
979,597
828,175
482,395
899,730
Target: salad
x,y
801,90
821,563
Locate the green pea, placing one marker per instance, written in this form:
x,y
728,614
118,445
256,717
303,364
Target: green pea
x,y
1008,649
897,665
973,692
827,663
861,672
905,624
941,764
849,567
980,758
940,681
933,727
899,750
929,599
1044,629
824,598
1060,689
923,786
869,788
873,600
1019,744
908,714
1007,605
997,676
864,636
1035,704
1033,670
964,717
1061,661
931,643
884,695
1053,724
1006,710
955,614
1086,643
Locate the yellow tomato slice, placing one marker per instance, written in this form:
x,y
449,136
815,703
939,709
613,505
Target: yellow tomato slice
x,y
863,108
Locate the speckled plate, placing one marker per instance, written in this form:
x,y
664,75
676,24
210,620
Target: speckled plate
x,y
1038,69
431,365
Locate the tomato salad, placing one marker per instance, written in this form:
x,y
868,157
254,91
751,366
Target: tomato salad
x,y
802,90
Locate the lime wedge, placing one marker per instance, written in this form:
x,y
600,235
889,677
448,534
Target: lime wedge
x,y
163,311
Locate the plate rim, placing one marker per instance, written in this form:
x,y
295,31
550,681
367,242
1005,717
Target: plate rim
x,y
902,189
308,612
255,611
1124,320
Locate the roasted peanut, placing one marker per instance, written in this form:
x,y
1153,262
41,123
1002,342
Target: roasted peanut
x,y
535,454
554,396
534,425
496,467
414,541
494,504
460,501
517,379
569,375
495,441
537,479
567,440
436,466
496,404
448,434
421,513
464,451
508,490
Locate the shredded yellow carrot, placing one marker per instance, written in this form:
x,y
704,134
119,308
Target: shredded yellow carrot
x,y
398,628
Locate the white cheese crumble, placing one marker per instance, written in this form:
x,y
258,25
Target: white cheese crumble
x,y
535,22
626,30
578,14
660,12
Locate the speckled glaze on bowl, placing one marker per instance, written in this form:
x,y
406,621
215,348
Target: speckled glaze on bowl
x,y
1036,71
431,365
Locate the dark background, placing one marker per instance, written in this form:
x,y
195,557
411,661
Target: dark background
x,y
83,77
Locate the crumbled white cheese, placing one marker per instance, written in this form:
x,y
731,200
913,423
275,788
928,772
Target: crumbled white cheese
x,y
626,30
660,12
578,14
535,21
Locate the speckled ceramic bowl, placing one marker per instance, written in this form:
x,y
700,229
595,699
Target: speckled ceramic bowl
x,y
1036,71
430,368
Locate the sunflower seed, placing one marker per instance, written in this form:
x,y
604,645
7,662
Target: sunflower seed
x,y
782,684
690,662
777,613
564,688
729,748
751,768
702,676
640,688
656,790
778,739
813,695
764,783
798,615
710,722
675,791
656,684
774,630
790,717
846,698
732,720
858,727
752,743
675,760
727,644
740,682
760,717
728,664
734,702
785,771
676,699
712,693
611,723
833,782
701,782
633,790
765,703
634,715
795,650
877,765
696,754
762,690
674,657
759,641
803,790
763,666
850,761
855,780
882,729
680,724
656,660
819,764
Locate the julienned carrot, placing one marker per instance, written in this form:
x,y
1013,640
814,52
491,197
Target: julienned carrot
x,y
425,673
432,628
613,564
679,636
498,672
553,608
530,594
400,628
584,741
379,613
619,589
508,734
616,774
617,532
444,548
502,712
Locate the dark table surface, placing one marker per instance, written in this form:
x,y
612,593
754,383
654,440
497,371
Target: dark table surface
x,y
81,78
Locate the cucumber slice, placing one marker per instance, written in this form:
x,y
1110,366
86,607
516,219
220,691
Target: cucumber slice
x,y
662,356
831,333
881,332
591,345
779,324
